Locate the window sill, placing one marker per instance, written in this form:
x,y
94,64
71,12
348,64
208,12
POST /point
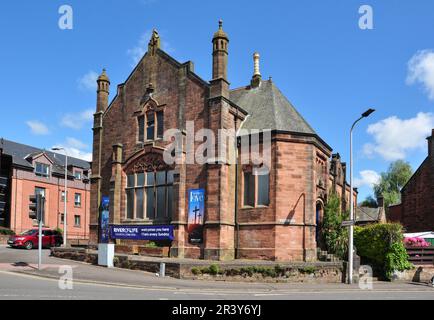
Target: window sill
x,y
253,208
147,221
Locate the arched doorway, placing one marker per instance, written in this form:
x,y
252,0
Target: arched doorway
x,y
319,219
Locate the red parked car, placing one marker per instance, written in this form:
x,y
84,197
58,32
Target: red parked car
x,y
30,239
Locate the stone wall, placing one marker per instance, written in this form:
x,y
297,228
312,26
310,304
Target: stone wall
x,y
3,239
319,272
422,274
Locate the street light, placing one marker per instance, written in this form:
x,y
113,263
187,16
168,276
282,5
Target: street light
x,y
352,219
65,224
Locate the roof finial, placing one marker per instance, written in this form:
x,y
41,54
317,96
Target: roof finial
x,y
103,76
154,43
220,24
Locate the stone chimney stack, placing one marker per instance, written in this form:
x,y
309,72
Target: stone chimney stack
x,y
380,202
256,79
219,82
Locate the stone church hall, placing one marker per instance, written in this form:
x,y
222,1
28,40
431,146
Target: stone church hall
x,y
216,209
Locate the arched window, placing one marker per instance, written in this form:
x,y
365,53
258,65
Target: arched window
x,y
149,195
150,125
141,128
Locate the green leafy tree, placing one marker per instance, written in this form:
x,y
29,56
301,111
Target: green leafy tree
x,y
392,181
335,236
369,202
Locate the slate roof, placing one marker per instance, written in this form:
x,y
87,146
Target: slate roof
x,y
269,109
20,154
365,214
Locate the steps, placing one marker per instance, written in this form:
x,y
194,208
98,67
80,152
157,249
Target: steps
x,y
326,257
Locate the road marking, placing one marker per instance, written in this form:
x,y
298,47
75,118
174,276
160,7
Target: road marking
x,y
218,292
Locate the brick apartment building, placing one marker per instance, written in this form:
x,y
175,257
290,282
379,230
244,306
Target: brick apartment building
x,y
274,216
26,171
416,211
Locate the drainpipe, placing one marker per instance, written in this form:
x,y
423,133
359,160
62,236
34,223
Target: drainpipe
x,y
237,225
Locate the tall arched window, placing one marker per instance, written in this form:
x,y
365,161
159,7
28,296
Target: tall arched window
x,y
151,126
149,195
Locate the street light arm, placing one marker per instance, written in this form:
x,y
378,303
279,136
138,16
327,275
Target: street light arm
x,y
355,122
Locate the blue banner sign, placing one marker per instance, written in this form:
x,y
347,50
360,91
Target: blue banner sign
x,y
142,232
104,222
196,213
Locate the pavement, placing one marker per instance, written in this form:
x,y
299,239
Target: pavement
x,y
20,279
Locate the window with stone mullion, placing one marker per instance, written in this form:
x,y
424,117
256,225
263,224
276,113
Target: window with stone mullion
x,y
149,195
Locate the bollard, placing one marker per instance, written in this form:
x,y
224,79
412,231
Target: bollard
x,y
162,269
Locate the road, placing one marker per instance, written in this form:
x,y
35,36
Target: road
x,y
20,280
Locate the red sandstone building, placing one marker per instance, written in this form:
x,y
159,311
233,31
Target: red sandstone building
x,y
26,171
416,211
274,216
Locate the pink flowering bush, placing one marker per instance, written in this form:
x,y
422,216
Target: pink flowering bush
x,y
416,242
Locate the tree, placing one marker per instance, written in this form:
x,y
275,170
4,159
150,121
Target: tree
x,y
369,202
392,181
335,236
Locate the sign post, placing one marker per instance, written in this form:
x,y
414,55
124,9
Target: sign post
x,y
40,215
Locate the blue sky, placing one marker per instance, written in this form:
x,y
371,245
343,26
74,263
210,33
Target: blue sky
x,y
328,67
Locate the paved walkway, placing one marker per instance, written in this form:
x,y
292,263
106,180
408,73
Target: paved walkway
x,y
25,262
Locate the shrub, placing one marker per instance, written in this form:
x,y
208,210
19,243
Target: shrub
x,y
151,244
6,232
335,236
214,269
196,271
383,246
308,270
416,242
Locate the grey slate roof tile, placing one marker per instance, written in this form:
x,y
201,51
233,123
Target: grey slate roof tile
x,y
19,152
269,109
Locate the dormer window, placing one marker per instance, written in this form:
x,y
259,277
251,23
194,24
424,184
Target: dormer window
x,y
42,169
77,175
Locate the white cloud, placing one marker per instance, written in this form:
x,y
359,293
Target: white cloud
x,y
395,137
75,148
88,81
77,120
38,127
421,70
367,178
136,53
75,143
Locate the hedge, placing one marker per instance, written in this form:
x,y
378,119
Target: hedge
x,y
383,246
7,232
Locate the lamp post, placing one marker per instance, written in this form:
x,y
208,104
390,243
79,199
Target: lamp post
x,y
352,218
65,224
